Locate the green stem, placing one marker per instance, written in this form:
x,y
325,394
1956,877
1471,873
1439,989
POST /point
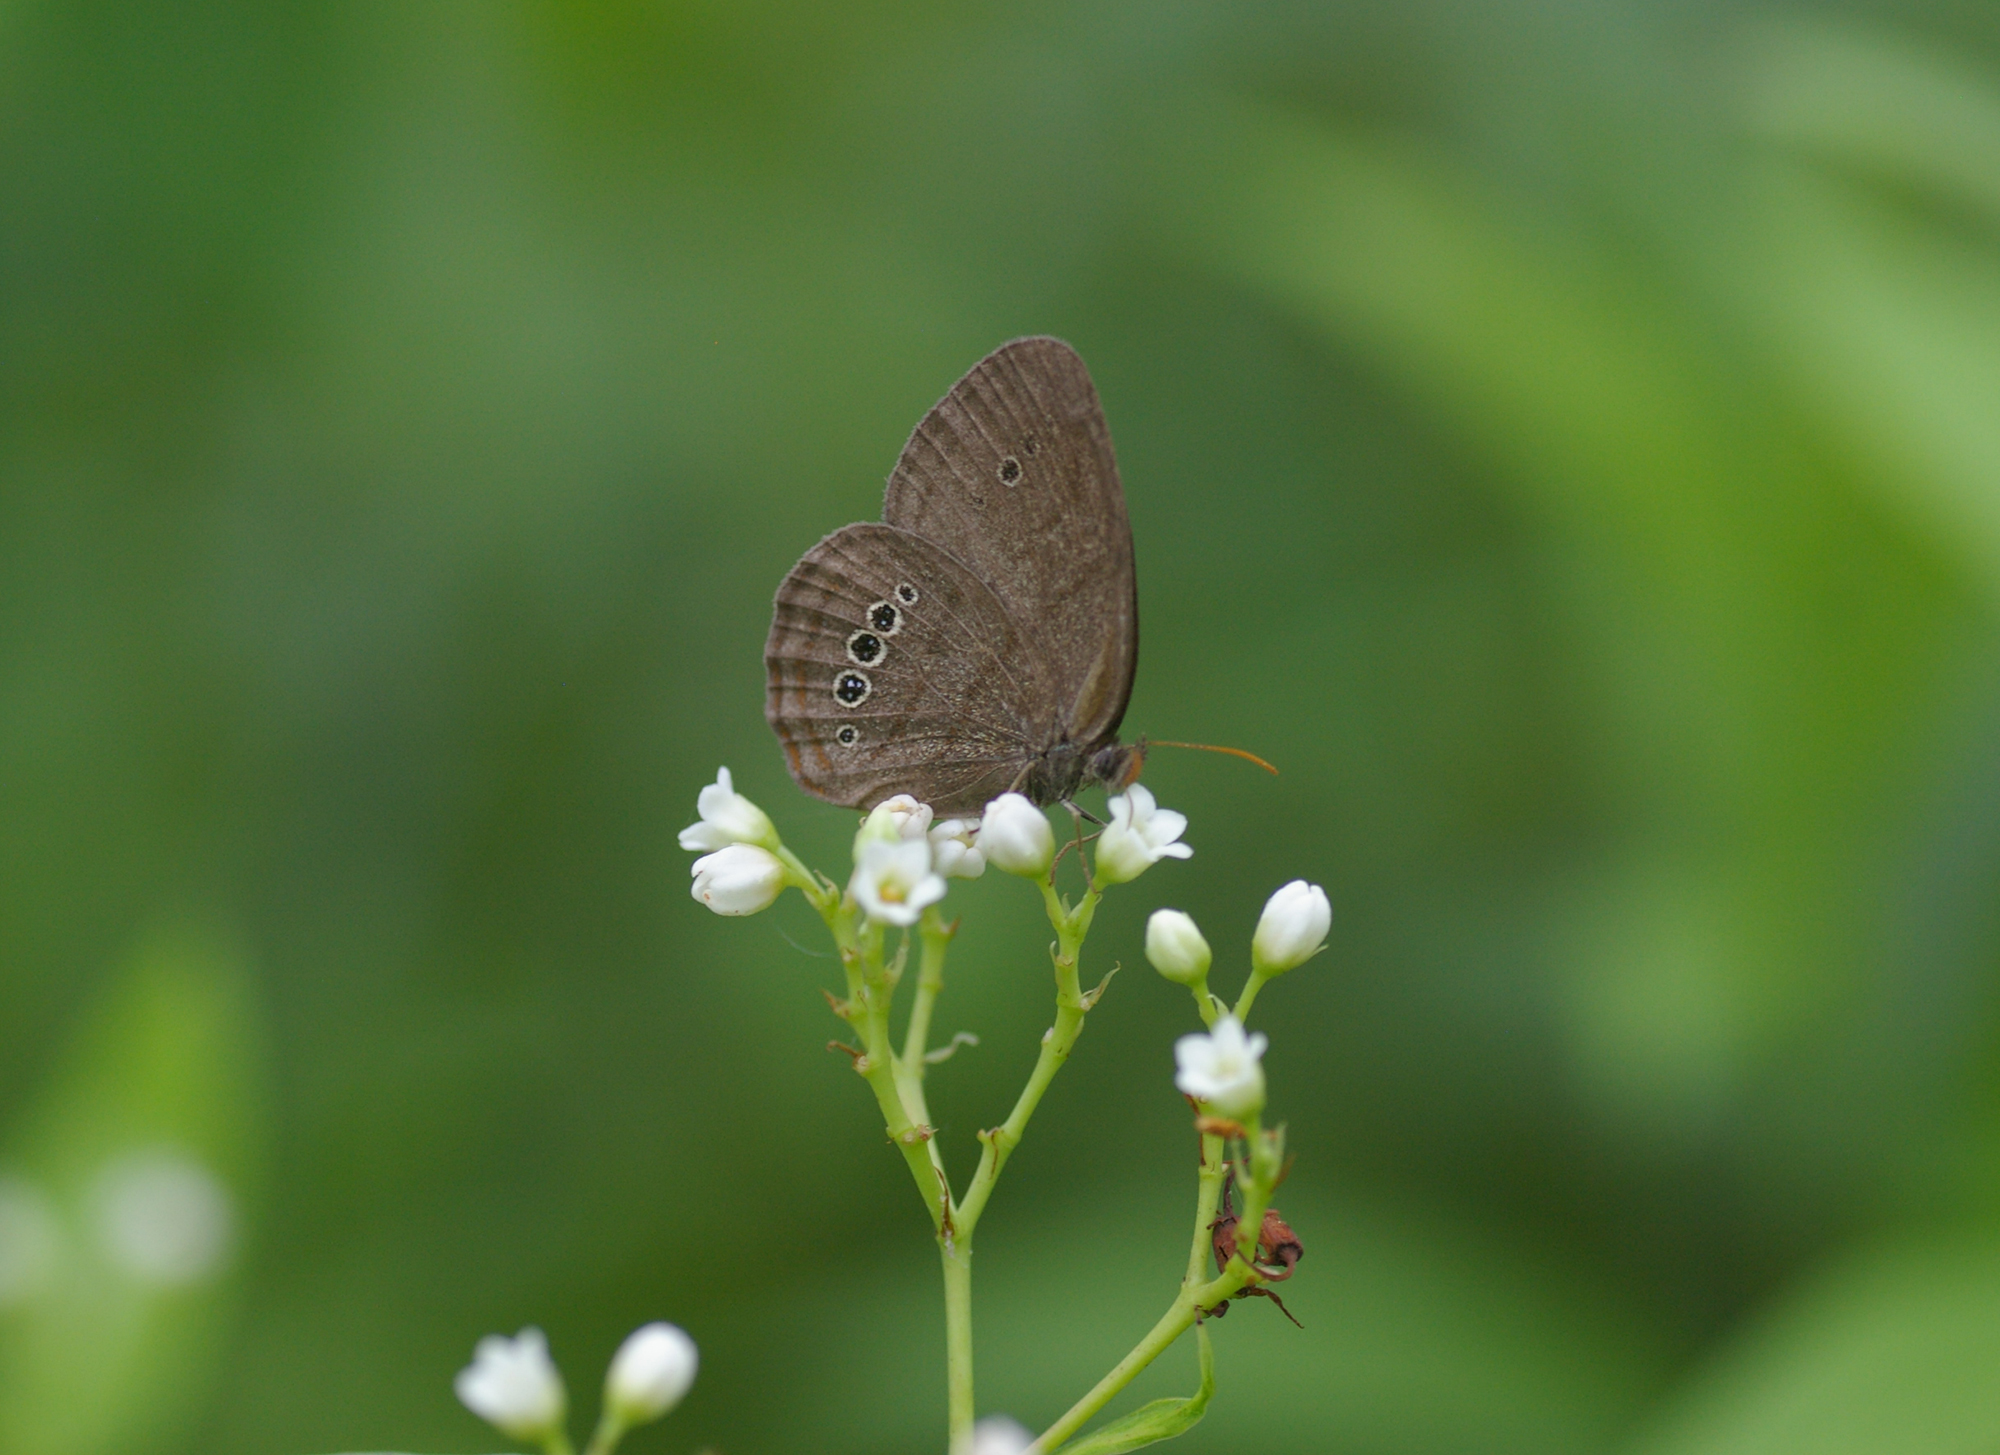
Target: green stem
x,y
936,937
610,1430
1258,980
1057,1042
556,1442
1177,1320
1208,1193
957,1255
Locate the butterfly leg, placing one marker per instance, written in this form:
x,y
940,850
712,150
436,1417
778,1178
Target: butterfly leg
x,y
1077,816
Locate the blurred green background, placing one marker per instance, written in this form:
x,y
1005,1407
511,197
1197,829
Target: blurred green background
x,y
1565,437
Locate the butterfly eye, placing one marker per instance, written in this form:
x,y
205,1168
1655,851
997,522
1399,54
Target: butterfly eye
x,y
884,616
852,688
846,735
1010,470
865,647
907,594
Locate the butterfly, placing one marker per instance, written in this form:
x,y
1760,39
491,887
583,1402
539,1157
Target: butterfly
x,y
982,638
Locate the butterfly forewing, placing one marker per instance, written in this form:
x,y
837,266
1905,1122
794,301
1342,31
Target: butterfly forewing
x,y
1013,474
890,664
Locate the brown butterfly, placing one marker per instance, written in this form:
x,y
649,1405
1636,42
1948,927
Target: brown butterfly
x,y
982,638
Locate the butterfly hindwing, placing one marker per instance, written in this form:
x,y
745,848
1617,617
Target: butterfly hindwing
x,y
890,663
1013,474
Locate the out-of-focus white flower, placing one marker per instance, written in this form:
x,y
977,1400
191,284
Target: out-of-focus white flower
x,y
513,1385
1176,948
955,850
998,1435
650,1374
894,882
1015,837
1140,834
727,817
31,1240
163,1217
1222,1068
1292,928
738,879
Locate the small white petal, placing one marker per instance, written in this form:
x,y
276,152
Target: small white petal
x,y
954,850
1139,835
651,1372
738,879
727,817
998,1435
1292,927
1176,948
513,1385
1222,1068
1015,837
894,882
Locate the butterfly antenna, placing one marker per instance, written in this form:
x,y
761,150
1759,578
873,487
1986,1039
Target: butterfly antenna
x,y
1212,748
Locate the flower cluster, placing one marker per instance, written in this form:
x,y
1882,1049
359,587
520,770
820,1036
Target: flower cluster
x,y
902,858
515,1386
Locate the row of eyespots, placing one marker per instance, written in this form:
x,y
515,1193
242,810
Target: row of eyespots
x,y
865,648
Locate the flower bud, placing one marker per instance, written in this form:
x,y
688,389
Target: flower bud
x,y
1222,1068
1292,928
1015,837
727,817
954,851
650,1374
901,817
513,1385
1176,948
739,879
894,883
1139,835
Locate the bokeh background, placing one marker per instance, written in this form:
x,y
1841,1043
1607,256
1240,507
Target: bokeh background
x,y
1565,437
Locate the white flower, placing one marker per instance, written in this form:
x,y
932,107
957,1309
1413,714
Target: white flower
x,y
739,879
998,1435
1139,835
901,817
954,853
163,1217
513,1385
1015,837
1292,928
1176,948
894,882
650,1374
727,817
1221,1068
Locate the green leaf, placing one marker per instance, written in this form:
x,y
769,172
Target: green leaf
x,y
1894,1351
1161,1420
135,1163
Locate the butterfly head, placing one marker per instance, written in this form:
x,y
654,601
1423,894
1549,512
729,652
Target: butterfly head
x,y
1117,765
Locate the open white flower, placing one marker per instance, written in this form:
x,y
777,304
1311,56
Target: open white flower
x,y
738,879
651,1373
894,881
955,849
1015,837
513,1385
1222,1068
1176,948
1140,834
727,817
998,1435
1292,928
